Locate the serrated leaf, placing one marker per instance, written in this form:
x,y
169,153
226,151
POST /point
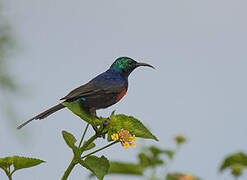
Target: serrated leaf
x,y
25,162
98,166
6,162
236,158
77,109
125,168
69,139
133,125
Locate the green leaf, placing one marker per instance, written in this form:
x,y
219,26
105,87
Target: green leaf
x,y
152,161
155,150
144,160
24,162
169,153
133,125
125,168
6,162
98,166
237,169
69,139
77,109
90,146
236,158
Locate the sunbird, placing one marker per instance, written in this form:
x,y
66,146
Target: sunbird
x,y
102,91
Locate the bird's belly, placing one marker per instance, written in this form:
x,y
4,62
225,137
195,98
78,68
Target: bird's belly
x,y
99,102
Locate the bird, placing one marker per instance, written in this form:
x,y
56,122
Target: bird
x,y
101,92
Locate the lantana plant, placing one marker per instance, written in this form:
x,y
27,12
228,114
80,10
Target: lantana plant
x,y
118,128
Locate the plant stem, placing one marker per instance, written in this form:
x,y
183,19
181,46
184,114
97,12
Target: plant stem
x,y
170,161
100,149
74,160
10,177
69,169
88,142
8,174
84,133
12,172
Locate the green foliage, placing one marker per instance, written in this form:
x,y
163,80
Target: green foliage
x,y
169,153
98,166
133,125
237,169
6,46
157,151
69,139
18,163
77,109
6,162
125,168
149,158
90,146
25,162
236,158
236,162
144,160
7,82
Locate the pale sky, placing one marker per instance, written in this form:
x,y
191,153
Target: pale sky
x,y
198,88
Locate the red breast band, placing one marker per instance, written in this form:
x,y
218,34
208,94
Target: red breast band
x,y
120,95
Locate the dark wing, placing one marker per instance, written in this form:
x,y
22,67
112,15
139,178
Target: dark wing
x,y
94,88
84,90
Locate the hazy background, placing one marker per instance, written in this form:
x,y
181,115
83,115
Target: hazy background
x,y
199,87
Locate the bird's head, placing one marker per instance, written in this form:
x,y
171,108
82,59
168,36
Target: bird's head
x,y
125,65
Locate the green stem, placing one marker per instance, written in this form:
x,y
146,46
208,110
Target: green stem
x,y
8,174
12,172
10,177
84,133
88,142
171,160
74,161
100,149
69,169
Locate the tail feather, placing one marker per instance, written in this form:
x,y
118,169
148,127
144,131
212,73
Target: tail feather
x,y
43,114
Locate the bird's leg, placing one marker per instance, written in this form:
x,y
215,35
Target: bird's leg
x,y
93,112
106,122
96,129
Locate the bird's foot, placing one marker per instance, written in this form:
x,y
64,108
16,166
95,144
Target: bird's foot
x,y
106,122
97,131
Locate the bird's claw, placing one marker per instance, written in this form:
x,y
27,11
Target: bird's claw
x,y
106,122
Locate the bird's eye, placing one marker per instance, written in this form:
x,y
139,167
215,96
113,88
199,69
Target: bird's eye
x,y
131,62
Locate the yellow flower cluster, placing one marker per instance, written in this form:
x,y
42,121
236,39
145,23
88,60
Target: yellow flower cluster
x,y
125,138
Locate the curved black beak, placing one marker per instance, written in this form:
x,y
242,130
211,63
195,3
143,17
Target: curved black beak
x,y
143,64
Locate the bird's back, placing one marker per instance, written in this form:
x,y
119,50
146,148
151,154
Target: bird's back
x,y
103,91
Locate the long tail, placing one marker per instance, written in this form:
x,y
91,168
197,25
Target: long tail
x,y
43,114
